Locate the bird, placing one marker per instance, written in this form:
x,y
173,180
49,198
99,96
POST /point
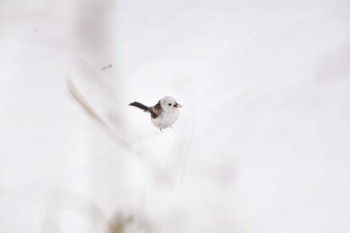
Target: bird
x,y
164,114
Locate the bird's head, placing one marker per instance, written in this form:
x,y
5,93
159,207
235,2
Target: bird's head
x,y
168,103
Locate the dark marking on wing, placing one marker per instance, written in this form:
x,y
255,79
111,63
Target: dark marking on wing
x,y
156,110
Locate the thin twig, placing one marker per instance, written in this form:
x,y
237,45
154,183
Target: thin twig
x,y
96,118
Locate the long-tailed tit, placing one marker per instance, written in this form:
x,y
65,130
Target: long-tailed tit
x,y
163,114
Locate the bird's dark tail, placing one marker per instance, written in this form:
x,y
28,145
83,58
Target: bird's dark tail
x,y
139,105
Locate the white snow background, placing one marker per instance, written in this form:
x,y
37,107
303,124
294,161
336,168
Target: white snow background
x,y
262,143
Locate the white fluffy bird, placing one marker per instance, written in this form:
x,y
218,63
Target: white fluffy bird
x,y
164,114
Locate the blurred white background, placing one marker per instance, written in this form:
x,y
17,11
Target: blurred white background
x,y
262,144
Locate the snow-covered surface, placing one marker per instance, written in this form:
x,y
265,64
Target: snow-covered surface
x,y
262,143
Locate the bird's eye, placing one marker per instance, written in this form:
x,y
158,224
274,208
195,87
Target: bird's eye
x,y
169,104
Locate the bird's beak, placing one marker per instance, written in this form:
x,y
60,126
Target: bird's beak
x,y
178,105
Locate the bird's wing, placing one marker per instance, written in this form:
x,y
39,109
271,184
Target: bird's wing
x,y
156,110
